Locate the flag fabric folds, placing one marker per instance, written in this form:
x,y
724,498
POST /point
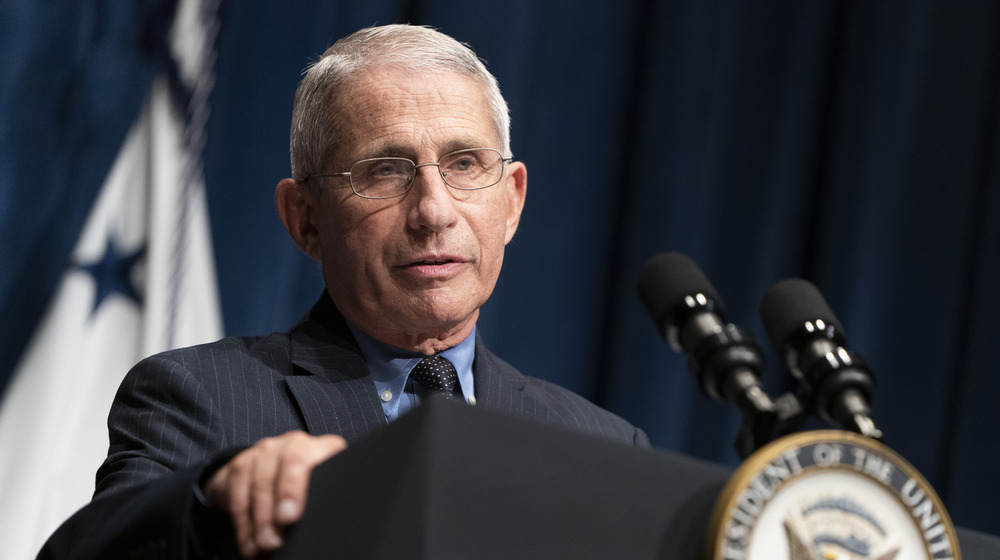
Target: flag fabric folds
x,y
141,279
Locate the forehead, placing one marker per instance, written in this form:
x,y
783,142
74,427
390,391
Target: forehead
x,y
390,111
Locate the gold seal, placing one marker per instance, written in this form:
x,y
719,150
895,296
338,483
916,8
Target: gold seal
x,y
829,495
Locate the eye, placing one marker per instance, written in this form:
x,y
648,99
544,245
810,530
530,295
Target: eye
x,y
463,162
385,169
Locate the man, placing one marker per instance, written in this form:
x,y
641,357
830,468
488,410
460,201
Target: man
x,y
404,190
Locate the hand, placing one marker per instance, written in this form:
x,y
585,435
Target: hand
x,y
264,487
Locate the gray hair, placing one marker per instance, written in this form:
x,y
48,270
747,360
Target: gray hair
x,y
314,133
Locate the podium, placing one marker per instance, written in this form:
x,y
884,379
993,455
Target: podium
x,y
450,481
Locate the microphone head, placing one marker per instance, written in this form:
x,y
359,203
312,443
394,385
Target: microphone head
x,y
789,305
666,281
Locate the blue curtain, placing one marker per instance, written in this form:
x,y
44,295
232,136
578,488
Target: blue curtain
x,y
853,143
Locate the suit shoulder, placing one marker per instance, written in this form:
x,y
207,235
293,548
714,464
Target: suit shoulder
x,y
575,411
516,393
272,351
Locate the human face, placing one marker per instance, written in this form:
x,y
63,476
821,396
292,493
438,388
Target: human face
x,y
414,270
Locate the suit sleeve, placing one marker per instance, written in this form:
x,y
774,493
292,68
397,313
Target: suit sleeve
x,y
165,434
164,419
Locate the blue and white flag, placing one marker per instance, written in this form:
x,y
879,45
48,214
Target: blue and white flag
x,y
142,280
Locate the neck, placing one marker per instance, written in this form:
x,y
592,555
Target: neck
x,y
427,342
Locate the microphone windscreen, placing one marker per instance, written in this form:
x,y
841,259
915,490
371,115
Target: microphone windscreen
x,y
666,279
788,305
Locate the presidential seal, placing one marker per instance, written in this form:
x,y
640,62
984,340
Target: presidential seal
x,y
829,495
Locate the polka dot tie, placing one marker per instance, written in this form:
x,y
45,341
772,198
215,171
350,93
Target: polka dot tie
x,y
436,374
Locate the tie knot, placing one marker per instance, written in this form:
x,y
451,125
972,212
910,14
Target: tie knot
x,y
436,374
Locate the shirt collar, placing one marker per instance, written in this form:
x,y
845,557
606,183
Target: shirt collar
x,y
390,369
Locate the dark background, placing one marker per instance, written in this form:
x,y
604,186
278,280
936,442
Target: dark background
x,y
853,143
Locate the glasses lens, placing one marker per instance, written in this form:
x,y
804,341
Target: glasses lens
x,y
472,169
381,177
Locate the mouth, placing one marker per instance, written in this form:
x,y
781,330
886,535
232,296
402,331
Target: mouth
x,y
434,259
431,262
435,266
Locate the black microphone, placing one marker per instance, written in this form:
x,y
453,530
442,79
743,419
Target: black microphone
x,y
807,335
724,358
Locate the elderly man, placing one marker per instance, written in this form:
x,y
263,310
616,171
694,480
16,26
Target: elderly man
x,y
404,189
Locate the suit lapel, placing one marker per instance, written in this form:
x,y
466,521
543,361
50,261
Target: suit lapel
x,y
333,387
330,380
498,385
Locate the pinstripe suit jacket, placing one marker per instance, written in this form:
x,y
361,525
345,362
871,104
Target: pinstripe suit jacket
x,y
178,411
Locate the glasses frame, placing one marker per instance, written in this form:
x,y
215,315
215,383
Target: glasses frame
x,y
504,161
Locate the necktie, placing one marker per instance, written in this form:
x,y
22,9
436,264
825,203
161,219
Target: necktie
x,y
436,374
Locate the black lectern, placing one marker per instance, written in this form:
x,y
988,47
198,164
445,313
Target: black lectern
x,y
450,481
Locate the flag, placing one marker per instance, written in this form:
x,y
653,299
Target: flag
x,y
141,280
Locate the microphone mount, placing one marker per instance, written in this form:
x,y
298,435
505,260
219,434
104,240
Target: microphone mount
x,y
725,359
839,380
836,383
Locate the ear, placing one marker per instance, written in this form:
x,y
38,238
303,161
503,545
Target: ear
x,y
296,206
517,188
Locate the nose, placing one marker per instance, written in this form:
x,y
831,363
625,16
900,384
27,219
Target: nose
x,y
432,203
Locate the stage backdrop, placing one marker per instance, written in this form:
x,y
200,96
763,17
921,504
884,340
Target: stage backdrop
x,y
853,143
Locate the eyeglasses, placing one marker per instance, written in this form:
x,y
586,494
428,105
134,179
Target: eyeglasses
x,y
389,177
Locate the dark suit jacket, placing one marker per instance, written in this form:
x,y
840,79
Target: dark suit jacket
x,y
179,412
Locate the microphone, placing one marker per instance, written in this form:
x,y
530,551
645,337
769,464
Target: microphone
x,y
724,358
807,335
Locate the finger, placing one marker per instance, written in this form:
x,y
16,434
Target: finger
x,y
262,484
292,483
239,473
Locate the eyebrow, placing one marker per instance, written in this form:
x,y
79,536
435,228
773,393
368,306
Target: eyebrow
x,y
406,151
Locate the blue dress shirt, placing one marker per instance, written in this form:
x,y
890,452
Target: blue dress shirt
x,y
390,368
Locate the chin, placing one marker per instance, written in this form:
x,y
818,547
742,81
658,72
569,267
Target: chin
x,y
430,316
